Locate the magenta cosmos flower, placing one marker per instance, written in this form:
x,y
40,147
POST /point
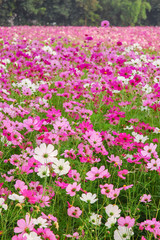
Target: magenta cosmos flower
x,y
105,23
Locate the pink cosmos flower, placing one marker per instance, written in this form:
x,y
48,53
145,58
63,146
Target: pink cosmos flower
x,y
123,172
116,160
24,226
49,217
74,212
105,23
143,238
114,193
148,150
19,237
106,189
97,173
32,123
126,222
71,189
29,195
43,88
53,113
20,186
46,233
75,235
74,174
145,198
154,164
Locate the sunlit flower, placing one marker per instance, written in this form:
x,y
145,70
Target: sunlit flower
x,y
45,154
16,197
43,171
89,197
123,233
2,204
113,211
61,167
24,225
110,222
95,219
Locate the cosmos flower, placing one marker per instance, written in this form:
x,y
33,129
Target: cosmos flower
x,y
89,197
105,23
61,167
95,219
45,154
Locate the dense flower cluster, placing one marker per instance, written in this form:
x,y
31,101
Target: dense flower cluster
x,y
79,130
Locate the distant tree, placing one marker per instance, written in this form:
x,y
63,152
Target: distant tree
x,y
6,12
153,16
57,12
28,12
124,12
88,11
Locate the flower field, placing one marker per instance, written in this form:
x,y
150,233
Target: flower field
x,y
80,133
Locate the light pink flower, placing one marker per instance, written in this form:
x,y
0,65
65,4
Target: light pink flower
x,y
145,198
24,226
148,150
97,173
126,222
74,212
71,189
154,164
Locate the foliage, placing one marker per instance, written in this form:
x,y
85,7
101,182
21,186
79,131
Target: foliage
x,y
79,12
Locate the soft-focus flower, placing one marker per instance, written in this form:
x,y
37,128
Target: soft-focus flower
x,y
95,219
2,204
41,222
113,211
74,212
24,226
126,222
123,233
71,189
43,171
32,236
105,23
97,173
110,222
122,172
16,197
145,198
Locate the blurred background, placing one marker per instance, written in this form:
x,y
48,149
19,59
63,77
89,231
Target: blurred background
x,y
80,12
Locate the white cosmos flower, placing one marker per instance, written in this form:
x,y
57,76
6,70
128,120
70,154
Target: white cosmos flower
x,y
32,236
113,211
139,137
61,167
110,222
43,171
95,219
41,222
89,197
45,154
16,197
123,233
2,204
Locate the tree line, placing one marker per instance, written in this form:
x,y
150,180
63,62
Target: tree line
x,y
80,12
